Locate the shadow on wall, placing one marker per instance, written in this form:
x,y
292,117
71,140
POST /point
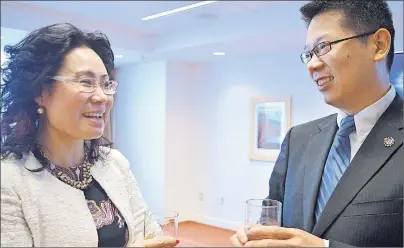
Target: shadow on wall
x,y
396,73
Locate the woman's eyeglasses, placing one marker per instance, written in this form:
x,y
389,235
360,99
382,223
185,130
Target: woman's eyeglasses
x,y
88,85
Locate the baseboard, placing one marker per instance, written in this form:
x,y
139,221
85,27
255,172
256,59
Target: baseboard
x,y
186,218
225,224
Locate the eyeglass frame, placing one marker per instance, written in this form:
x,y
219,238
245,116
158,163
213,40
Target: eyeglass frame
x,y
329,43
76,80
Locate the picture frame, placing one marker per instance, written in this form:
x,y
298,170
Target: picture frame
x,y
269,122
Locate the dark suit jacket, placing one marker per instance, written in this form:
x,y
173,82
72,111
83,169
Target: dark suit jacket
x,y
366,207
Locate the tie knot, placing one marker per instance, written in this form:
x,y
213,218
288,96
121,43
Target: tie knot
x,y
347,126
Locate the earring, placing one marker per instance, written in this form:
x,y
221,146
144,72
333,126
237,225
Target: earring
x,y
40,110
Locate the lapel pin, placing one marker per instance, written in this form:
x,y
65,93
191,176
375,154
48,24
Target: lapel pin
x,y
388,141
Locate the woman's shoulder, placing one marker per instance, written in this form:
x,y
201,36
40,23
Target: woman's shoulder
x,y
13,168
115,158
12,163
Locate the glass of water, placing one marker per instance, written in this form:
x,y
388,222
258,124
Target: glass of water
x,y
265,212
160,223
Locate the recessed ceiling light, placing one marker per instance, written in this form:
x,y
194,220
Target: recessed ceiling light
x,y
219,53
118,56
173,11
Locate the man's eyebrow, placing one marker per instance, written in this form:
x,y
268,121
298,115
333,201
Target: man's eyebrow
x,y
315,42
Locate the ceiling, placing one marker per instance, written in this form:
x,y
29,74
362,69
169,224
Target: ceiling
x,y
238,28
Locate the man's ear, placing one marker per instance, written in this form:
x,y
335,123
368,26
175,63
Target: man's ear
x,y
381,43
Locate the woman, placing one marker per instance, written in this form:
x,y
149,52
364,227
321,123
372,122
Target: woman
x,y
61,184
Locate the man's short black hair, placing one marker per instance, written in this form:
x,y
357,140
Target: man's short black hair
x,y
360,16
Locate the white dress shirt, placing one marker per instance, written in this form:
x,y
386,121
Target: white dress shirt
x,y
365,120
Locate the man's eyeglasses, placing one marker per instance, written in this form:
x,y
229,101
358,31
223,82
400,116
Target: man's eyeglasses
x,y
88,85
325,46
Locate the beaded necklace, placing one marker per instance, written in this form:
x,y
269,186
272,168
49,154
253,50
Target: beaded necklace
x,y
78,184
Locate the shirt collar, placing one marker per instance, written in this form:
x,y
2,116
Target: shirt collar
x,y
367,117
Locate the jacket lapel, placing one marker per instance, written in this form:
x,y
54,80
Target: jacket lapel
x,y
364,166
318,147
114,188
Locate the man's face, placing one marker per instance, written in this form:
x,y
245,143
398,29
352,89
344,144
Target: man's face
x,y
343,72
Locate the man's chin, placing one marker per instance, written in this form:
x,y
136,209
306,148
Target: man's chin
x,y
328,98
331,100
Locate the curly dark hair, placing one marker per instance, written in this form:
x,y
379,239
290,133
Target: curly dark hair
x,y
360,16
26,73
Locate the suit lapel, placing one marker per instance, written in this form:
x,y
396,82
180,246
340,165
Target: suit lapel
x,y
364,166
314,164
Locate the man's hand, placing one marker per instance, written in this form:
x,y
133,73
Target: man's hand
x,y
240,238
274,236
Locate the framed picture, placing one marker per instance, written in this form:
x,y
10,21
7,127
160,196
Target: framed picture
x,y
270,121
396,73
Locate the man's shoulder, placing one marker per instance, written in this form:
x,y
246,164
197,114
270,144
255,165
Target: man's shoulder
x,y
314,125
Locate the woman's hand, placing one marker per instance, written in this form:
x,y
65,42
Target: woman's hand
x,y
160,241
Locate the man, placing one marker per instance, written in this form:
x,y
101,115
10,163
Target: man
x,y
340,178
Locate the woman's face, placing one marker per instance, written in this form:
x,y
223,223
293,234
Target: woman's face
x,y
71,112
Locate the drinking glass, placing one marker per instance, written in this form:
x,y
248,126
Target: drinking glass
x,y
160,223
265,212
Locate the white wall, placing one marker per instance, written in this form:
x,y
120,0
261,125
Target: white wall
x,y
183,84
139,129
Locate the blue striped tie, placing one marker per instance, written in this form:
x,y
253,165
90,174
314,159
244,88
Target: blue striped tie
x,y
337,162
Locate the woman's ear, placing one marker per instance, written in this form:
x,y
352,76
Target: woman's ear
x,y
39,100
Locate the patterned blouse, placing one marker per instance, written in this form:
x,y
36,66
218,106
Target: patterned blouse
x,y
111,226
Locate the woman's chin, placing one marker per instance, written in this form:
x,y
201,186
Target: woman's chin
x,y
93,134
